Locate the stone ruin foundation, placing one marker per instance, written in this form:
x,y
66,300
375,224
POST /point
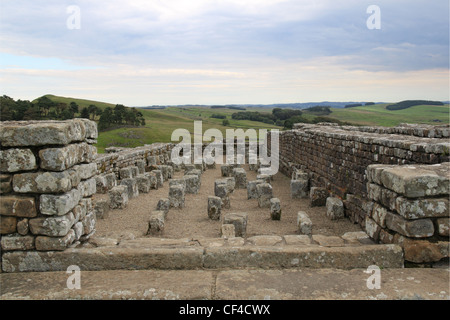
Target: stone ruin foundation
x,y
393,182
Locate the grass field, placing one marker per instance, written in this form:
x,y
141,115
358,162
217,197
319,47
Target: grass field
x,y
82,103
160,123
377,115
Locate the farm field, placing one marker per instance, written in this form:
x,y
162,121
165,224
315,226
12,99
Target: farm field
x,y
160,123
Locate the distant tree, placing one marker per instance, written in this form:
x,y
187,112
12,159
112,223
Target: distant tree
x,y
74,107
21,108
84,113
106,119
225,122
44,104
66,114
92,110
7,106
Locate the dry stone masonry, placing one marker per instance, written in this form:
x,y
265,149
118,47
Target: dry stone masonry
x,y
335,161
410,206
47,174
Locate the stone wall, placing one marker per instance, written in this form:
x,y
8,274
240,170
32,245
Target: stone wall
x,y
337,157
117,158
410,206
46,174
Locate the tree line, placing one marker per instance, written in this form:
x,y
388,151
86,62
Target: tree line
x,y
46,109
410,103
286,117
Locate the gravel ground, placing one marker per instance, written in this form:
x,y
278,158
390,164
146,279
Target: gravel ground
x,y
193,221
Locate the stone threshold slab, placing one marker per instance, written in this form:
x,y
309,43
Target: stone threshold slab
x,y
198,257
230,284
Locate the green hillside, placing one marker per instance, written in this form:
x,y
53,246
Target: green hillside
x,y
160,123
378,115
82,103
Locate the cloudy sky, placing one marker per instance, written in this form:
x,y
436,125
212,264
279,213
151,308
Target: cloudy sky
x,y
146,52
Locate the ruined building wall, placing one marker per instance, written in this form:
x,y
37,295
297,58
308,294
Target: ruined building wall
x,y
337,158
46,175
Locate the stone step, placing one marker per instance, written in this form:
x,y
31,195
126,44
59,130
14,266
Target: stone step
x,y
204,254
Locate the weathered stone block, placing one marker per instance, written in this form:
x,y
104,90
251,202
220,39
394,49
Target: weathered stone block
x,y
8,224
59,205
372,228
264,191
18,206
89,223
196,172
228,231
100,182
275,209
159,178
87,188
43,182
239,220
379,215
214,207
231,182
156,223
226,170
422,208
5,183
176,196
420,228
328,241
143,183
251,189
299,175
119,197
14,160
134,171
23,227
52,226
163,205
14,242
111,181
153,180
152,160
101,208
132,187
41,133
125,173
422,251
335,208
63,158
304,223
417,180
318,197
55,243
140,164
167,171
222,190
180,182
79,230
192,184
299,189
241,178
443,226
